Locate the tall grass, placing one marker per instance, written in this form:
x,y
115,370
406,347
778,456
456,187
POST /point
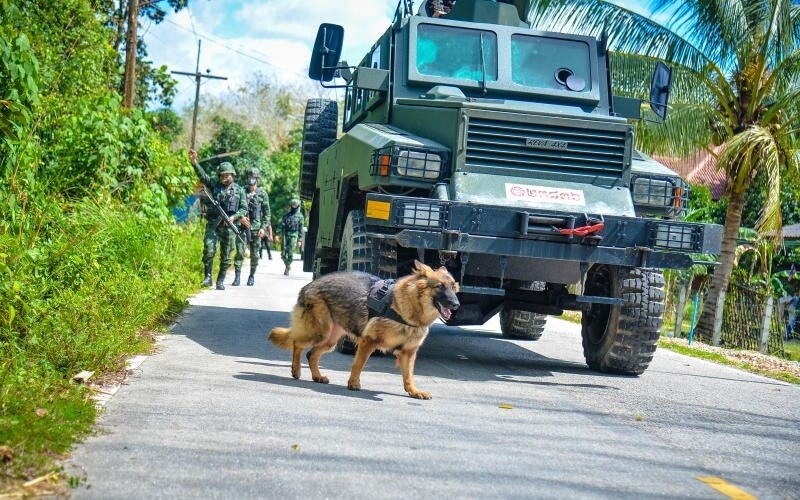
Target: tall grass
x,y
76,294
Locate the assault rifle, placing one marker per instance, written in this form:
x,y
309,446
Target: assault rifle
x,y
227,220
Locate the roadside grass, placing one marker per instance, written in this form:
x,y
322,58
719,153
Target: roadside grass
x,y
768,366
85,297
792,349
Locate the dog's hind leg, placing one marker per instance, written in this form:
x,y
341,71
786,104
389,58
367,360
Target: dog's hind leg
x,y
364,350
406,360
329,342
296,352
313,363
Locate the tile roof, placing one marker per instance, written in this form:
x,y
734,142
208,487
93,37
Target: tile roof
x,y
700,168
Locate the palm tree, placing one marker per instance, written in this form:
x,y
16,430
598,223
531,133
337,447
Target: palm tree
x,y
737,92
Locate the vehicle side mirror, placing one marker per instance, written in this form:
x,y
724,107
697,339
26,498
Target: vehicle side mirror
x,y
326,53
659,89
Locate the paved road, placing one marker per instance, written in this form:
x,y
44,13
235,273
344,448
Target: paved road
x,y
215,414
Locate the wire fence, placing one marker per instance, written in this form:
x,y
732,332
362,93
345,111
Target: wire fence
x,y
743,320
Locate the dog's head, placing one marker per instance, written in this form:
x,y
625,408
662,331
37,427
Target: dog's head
x,y
440,286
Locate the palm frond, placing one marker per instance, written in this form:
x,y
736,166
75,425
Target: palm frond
x,y
627,30
685,132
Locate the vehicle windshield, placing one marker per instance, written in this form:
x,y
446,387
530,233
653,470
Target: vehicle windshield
x,y
550,63
450,52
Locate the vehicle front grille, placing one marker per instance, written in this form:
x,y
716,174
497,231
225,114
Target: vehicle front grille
x,y
556,146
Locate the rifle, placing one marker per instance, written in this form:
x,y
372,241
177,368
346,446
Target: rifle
x,y
225,217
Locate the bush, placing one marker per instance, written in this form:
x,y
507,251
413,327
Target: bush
x,y
97,278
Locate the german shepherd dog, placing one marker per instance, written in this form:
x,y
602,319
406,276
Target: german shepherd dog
x,y
336,304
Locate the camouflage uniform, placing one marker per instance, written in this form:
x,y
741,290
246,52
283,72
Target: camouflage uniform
x,y
258,214
232,199
291,228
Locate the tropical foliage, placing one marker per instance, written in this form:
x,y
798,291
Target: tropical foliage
x,y
89,255
736,85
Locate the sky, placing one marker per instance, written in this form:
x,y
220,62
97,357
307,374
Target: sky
x,y
272,37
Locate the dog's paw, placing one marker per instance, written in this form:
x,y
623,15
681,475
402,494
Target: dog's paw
x,y
295,373
354,386
419,394
322,379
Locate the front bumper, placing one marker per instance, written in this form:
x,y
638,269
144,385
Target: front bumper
x,y
487,229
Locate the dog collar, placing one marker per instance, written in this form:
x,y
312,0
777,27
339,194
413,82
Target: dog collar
x,y
379,301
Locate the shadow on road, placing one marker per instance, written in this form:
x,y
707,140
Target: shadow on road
x,y
449,352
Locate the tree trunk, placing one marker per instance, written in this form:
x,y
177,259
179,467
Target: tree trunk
x,y
722,273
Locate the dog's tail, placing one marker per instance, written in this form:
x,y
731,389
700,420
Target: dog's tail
x,y
281,337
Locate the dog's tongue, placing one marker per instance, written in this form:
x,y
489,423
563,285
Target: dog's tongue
x,y
445,312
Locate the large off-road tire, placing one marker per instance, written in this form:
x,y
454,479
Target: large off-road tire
x,y
361,253
622,338
523,325
319,132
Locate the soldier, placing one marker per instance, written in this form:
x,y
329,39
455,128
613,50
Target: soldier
x,y
233,201
291,228
254,226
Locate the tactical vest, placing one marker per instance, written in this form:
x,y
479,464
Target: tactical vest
x,y
254,206
379,300
228,198
291,223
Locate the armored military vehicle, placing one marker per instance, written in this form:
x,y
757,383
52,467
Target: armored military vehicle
x,y
472,141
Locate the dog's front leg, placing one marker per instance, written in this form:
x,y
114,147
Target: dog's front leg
x,y
364,350
406,360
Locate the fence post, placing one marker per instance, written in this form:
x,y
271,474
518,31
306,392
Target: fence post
x,y
762,348
679,312
720,308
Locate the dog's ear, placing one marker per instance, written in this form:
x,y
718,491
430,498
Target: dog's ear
x,y
421,269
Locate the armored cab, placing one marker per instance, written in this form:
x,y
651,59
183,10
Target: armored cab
x,y
473,141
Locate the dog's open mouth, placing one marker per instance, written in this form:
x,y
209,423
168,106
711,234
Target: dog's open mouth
x,y
445,312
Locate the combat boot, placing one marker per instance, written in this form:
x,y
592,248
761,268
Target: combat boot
x,y
221,280
286,271
207,280
237,280
252,278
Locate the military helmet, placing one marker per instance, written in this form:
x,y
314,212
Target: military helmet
x,y
294,202
252,172
226,168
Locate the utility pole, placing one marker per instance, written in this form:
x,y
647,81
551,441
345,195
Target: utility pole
x,y
197,77
130,54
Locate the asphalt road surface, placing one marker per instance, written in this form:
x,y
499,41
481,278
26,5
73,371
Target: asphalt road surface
x,y
215,414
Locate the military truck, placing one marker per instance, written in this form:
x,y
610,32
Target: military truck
x,y
471,141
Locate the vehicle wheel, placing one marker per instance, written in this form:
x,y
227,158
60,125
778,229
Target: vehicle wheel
x,y
360,253
319,132
521,325
622,338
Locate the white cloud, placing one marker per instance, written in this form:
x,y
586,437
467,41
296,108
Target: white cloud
x,y
272,37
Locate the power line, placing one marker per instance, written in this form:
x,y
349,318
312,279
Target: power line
x,y
238,51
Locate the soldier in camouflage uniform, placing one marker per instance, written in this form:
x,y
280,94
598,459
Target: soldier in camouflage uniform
x,y
254,226
291,228
233,200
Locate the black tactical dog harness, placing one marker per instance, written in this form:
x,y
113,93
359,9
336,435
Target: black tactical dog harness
x,y
379,300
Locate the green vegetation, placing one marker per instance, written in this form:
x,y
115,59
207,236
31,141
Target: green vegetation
x,y
90,260
777,372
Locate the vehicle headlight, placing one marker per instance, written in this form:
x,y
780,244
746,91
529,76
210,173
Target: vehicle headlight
x,y
422,213
670,193
420,163
673,236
